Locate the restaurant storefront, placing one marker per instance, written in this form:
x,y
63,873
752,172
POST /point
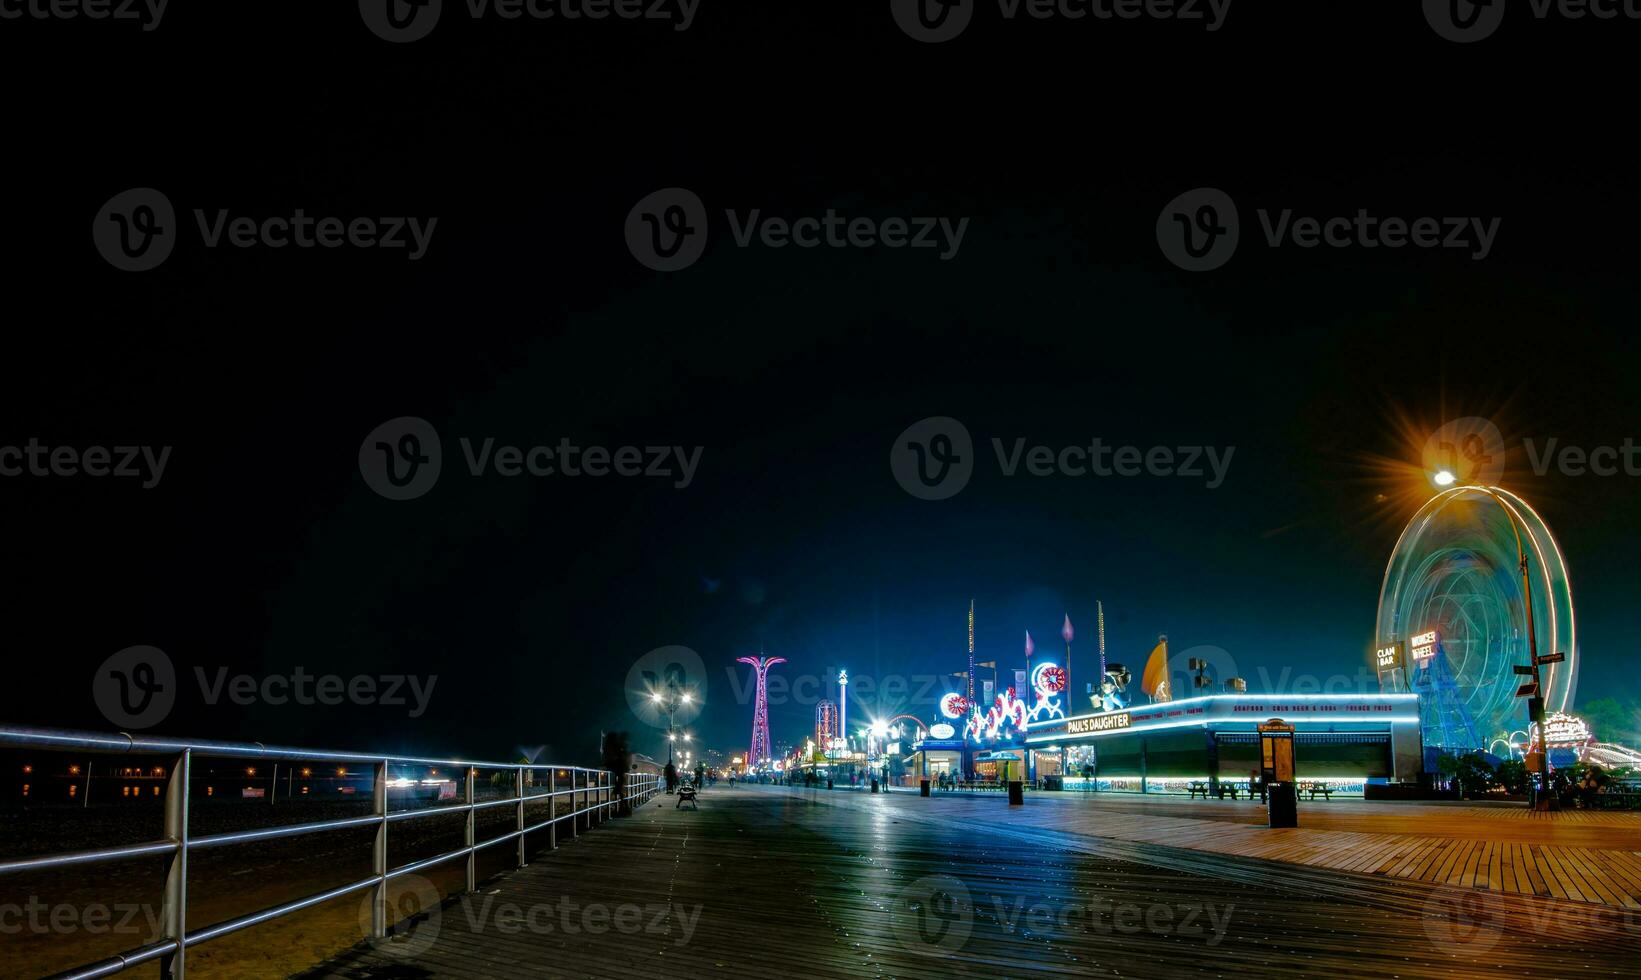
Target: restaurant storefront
x,y
1342,743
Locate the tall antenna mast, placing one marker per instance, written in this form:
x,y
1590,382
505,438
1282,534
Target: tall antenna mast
x,y
971,651
1101,607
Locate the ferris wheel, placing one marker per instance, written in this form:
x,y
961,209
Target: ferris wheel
x,y
1453,610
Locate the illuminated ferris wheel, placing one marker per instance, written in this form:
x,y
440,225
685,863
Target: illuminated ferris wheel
x,y
1452,616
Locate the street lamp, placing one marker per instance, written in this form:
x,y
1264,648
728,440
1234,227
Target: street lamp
x,y
670,701
1444,478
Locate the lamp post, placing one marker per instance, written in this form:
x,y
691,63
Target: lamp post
x,y
1544,801
670,702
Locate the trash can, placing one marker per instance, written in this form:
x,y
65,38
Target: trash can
x,y
828,784
1017,792
1283,808
874,784
923,787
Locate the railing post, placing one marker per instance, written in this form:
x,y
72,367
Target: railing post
x,y
175,903
472,858
378,902
518,787
552,796
575,809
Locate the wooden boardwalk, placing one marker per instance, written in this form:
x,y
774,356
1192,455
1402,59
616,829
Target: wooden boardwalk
x,y
770,882
1580,856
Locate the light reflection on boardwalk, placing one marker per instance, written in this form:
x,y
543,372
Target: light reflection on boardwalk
x,y
770,882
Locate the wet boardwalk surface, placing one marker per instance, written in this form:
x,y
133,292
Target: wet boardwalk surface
x,y
1572,855
771,882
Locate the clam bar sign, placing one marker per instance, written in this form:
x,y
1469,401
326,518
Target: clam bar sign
x,y
1388,657
1097,723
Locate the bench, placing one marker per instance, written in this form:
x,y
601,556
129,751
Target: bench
x,y
1314,788
1197,786
686,794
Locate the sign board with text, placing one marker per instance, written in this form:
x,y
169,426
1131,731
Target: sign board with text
x,y
1422,647
1388,657
1098,723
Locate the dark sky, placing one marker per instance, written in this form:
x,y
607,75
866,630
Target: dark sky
x,y
1058,321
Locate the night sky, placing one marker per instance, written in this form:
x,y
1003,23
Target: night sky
x,y
528,321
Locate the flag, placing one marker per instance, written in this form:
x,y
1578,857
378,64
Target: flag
x,y
1065,630
1029,646
1155,679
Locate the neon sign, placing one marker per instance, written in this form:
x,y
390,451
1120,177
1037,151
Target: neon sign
x,y
941,730
1097,723
1561,729
1423,647
1388,657
1007,710
1047,680
954,706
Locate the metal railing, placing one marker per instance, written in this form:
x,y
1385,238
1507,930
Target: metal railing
x,y
591,802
